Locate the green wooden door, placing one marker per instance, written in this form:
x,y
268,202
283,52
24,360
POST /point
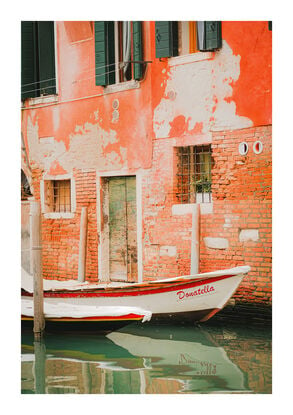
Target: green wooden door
x,y
122,229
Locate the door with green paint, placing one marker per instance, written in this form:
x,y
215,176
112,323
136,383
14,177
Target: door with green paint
x,y
122,229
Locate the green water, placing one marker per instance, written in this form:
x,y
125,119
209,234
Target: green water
x,y
219,356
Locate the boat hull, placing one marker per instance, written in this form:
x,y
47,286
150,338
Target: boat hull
x,y
74,325
88,317
188,299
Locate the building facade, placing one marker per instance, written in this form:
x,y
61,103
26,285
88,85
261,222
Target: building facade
x,y
138,122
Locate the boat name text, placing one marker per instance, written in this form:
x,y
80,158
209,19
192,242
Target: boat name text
x,y
206,289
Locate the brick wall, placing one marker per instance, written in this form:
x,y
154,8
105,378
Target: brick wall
x,y
60,237
241,214
166,237
241,217
242,195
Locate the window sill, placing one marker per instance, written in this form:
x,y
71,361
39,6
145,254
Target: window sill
x,y
59,215
122,86
187,208
191,58
76,42
45,99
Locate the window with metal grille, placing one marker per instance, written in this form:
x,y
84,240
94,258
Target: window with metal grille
x,y
194,178
61,195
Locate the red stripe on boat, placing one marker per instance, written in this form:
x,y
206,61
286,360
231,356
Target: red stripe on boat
x,y
117,292
130,316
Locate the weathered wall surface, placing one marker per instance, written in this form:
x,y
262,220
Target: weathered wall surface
x,y
80,134
61,237
242,210
166,237
237,230
252,93
228,89
220,98
83,128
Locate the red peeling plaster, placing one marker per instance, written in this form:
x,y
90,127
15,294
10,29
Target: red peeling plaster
x,y
252,91
79,100
179,127
82,119
56,169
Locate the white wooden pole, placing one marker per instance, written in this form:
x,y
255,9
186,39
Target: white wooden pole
x,y
37,269
195,235
82,245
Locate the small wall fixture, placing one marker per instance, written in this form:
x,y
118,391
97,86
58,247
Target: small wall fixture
x,y
171,94
243,148
115,104
257,147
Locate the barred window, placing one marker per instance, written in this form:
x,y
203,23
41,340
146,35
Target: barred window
x,y
58,196
194,178
61,194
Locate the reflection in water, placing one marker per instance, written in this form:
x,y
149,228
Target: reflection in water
x,y
152,358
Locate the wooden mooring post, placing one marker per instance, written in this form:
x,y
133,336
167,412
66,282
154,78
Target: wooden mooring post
x,y
40,366
195,235
82,245
36,268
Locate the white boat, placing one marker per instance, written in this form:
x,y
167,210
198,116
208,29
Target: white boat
x,y
197,297
67,313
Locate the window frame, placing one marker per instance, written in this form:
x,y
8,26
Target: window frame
x,y
187,38
61,195
202,197
168,37
108,48
46,196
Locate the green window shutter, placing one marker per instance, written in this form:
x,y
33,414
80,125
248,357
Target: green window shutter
x,y
209,35
28,60
166,39
213,35
100,53
46,53
137,49
104,53
110,42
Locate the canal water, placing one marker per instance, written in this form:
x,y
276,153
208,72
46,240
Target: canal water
x,y
231,353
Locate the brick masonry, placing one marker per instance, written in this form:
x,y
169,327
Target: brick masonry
x,y
61,237
241,192
203,101
242,201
